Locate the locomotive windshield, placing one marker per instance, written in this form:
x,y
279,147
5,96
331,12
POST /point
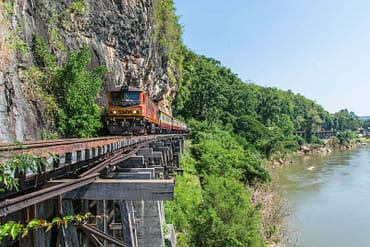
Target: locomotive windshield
x,y
125,99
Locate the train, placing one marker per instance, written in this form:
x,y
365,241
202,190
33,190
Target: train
x,y
131,111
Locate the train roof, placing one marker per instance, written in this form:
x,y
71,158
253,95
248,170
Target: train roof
x,y
165,113
130,89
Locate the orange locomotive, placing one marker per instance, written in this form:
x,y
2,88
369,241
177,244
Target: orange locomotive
x,y
131,111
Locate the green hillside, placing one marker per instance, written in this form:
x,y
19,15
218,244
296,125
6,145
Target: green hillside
x,y
236,129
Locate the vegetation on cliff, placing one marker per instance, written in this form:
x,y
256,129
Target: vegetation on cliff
x,y
167,34
68,91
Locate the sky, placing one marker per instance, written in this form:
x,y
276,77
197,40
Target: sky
x,y
318,48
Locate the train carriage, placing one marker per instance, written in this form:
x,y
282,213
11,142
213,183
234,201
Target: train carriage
x,y
176,125
165,122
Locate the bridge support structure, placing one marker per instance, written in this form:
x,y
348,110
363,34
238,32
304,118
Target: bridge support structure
x,y
127,197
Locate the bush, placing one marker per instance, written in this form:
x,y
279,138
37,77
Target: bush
x,y
181,211
345,137
226,216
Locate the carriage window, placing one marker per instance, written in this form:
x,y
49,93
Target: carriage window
x,y
132,96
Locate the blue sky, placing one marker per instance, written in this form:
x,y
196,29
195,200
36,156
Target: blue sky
x,y
318,48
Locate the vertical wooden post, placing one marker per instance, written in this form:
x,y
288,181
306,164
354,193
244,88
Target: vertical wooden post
x,y
42,211
27,241
126,219
70,232
85,209
102,222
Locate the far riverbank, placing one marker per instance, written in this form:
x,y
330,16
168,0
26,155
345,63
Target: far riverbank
x,y
318,149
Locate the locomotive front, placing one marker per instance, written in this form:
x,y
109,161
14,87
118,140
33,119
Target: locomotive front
x,y
130,111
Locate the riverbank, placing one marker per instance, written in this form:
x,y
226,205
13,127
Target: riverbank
x,y
328,147
274,209
317,149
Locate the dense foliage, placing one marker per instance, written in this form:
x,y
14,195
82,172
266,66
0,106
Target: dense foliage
x,y
225,216
68,90
181,210
76,89
235,126
215,209
218,153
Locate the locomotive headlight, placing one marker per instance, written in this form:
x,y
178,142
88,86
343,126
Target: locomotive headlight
x,y
134,111
114,112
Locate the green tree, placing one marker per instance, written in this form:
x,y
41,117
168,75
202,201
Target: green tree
x,y
312,123
269,106
344,120
251,129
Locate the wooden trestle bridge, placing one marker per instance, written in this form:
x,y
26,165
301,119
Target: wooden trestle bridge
x,y
122,179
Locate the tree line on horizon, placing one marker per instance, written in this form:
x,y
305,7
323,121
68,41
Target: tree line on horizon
x,y
213,93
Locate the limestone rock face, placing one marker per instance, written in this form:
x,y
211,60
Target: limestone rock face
x,y
120,33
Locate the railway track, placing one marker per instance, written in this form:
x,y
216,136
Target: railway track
x,y
114,150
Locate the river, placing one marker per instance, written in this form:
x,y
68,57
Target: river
x,y
330,202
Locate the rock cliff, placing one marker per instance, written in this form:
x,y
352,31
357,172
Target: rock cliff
x,y
121,34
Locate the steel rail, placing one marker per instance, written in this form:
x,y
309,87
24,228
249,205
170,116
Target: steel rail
x,y
49,143
6,146
11,205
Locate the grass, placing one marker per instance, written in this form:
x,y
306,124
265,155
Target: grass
x,y
363,140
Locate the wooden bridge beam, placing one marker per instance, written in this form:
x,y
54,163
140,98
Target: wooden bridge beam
x,y
118,189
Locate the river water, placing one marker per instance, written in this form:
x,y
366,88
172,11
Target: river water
x,y
330,201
